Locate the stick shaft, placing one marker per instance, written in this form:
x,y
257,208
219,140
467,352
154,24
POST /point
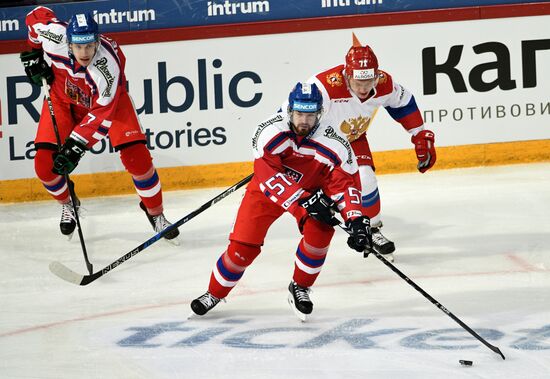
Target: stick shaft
x,y
436,303
70,276
67,179
430,298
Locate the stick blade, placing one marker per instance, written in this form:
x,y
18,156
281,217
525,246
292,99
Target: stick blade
x,y
497,350
65,273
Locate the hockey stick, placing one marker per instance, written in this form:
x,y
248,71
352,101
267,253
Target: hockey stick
x,y
67,180
429,297
69,275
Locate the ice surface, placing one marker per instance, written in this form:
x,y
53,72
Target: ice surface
x,y
478,240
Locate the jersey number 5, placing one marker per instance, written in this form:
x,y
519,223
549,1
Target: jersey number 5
x,y
278,183
354,195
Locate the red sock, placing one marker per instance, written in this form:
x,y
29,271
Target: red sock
x,y
138,162
230,268
308,263
54,184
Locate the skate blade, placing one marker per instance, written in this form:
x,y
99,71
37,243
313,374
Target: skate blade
x,y
300,315
389,257
174,241
192,315
69,236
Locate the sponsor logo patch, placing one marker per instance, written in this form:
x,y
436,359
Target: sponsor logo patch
x,y
82,38
331,133
304,107
363,74
55,38
262,126
101,65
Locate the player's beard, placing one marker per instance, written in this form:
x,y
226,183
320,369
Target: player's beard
x,y
302,129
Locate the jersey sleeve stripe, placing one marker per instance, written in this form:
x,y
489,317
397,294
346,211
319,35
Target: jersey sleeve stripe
x,y
399,113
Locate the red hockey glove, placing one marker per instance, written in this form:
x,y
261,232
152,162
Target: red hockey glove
x,y
425,149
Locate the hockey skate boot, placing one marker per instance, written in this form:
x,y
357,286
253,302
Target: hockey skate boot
x,y
299,301
159,223
67,224
381,244
202,304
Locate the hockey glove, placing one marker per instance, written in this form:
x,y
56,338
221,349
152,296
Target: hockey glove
x,y
360,238
66,160
320,207
36,67
425,149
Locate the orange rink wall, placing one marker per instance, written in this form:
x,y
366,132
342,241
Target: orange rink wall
x,y
387,162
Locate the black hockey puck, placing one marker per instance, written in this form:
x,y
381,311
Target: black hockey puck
x,y
465,363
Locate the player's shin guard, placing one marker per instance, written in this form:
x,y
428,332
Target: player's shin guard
x,y
308,263
230,268
55,184
138,162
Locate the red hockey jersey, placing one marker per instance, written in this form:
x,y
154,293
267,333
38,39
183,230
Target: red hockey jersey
x,y
96,87
288,167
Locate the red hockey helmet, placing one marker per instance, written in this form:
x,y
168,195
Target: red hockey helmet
x,y
361,63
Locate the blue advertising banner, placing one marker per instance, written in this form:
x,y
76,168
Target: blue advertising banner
x,y
133,15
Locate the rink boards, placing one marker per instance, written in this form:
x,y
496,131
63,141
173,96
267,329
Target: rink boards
x,y
481,84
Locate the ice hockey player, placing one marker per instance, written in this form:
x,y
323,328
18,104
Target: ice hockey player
x,y
301,166
90,101
352,93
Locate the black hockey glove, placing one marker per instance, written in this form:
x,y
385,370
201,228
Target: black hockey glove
x,y
321,208
360,238
36,67
66,160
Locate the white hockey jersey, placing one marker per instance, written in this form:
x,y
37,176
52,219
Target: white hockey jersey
x,y
353,116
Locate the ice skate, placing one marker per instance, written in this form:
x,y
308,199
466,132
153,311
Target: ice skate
x,y
381,244
67,224
159,223
202,304
299,301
